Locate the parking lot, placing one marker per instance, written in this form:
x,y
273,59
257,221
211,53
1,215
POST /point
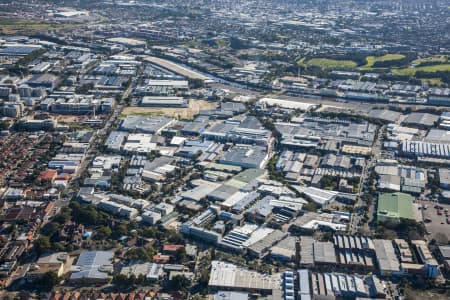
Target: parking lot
x,y
438,227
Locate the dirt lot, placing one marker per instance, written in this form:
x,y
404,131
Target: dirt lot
x,y
182,113
438,227
70,119
415,294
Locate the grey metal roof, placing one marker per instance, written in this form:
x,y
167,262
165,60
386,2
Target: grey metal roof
x,y
90,263
324,252
144,124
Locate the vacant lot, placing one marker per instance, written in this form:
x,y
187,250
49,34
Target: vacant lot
x,y
182,113
415,294
326,63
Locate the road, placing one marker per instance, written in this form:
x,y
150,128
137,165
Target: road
x,y
363,183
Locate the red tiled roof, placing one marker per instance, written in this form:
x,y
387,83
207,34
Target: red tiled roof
x,y
47,175
172,248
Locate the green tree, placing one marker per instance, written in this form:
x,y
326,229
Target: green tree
x,y
179,283
196,83
104,232
122,280
48,280
204,277
50,229
175,238
42,244
140,253
180,255
310,206
64,215
120,230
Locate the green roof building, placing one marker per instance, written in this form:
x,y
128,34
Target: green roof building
x,y
394,207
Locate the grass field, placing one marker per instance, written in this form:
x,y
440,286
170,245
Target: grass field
x,y
371,60
440,58
429,69
182,113
18,26
326,63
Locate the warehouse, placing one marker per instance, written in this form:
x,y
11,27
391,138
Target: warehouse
x,y
139,143
245,157
319,196
47,81
192,148
394,207
424,149
284,250
387,260
246,131
421,120
231,277
261,247
144,124
338,285
311,221
115,140
324,253
154,87
161,101
18,49
385,115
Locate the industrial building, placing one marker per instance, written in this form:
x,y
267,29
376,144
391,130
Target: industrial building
x,y
245,156
425,149
141,124
395,207
46,81
225,276
388,263
246,131
159,101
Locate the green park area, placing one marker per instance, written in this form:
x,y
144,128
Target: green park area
x,y
411,71
371,60
327,63
398,64
431,59
20,26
